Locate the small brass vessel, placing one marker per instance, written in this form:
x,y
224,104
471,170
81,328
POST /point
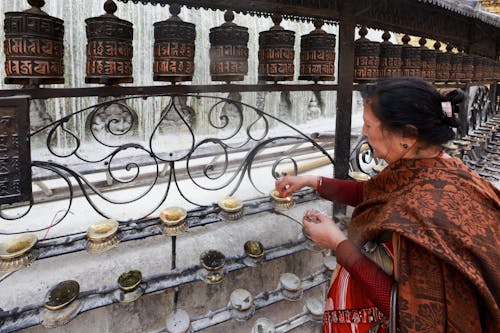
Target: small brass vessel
x,y
102,231
174,220
62,295
378,168
232,207
359,176
292,286
17,246
282,202
128,281
254,249
213,261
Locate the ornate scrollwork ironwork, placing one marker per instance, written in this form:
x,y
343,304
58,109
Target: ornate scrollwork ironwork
x,y
243,132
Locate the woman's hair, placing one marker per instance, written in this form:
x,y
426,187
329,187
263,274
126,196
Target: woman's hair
x,y
411,106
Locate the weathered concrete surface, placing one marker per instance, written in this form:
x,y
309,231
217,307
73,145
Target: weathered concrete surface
x,y
153,256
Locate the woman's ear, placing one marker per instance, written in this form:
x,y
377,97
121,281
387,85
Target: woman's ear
x,y
409,132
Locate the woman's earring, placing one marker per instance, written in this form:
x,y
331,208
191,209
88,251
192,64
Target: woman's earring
x,y
404,145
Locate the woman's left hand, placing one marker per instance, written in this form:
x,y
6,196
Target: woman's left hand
x,y
323,231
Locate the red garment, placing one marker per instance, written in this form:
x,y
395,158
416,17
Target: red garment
x,y
447,260
359,296
346,192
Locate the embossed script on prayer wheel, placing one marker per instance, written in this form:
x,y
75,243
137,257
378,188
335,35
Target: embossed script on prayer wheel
x,y
428,57
456,61
366,58
276,53
410,57
228,51
317,55
33,47
109,48
390,57
443,65
478,67
174,48
467,67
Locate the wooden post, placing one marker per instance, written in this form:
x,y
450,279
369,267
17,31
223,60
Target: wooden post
x,y
344,101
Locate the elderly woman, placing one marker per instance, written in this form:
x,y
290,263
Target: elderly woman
x,y
422,251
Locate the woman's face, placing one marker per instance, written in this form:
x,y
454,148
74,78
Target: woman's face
x,y
386,145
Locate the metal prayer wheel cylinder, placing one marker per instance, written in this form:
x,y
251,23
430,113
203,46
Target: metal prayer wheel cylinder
x,y
478,67
428,57
174,48
317,55
109,48
33,46
228,51
276,53
468,67
366,58
490,71
410,57
443,64
390,57
456,72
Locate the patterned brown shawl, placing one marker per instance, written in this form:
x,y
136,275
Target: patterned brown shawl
x,y
448,264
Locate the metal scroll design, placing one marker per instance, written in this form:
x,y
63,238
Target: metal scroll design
x,y
154,166
363,159
480,109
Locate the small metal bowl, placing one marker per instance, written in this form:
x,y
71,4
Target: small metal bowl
x,y
172,216
128,281
212,260
17,246
358,176
102,231
378,168
276,197
254,249
230,204
62,294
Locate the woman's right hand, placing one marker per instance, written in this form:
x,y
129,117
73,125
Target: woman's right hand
x,y
289,184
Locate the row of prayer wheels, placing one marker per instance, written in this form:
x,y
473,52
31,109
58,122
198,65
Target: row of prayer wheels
x,y
34,49
34,52
375,60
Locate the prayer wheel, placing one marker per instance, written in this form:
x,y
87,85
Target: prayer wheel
x,y
276,53
228,51
390,57
109,48
410,57
33,46
478,67
366,58
317,55
467,67
174,48
443,65
456,73
428,57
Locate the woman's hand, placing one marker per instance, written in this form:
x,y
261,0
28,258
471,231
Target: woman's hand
x,y
322,230
289,184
